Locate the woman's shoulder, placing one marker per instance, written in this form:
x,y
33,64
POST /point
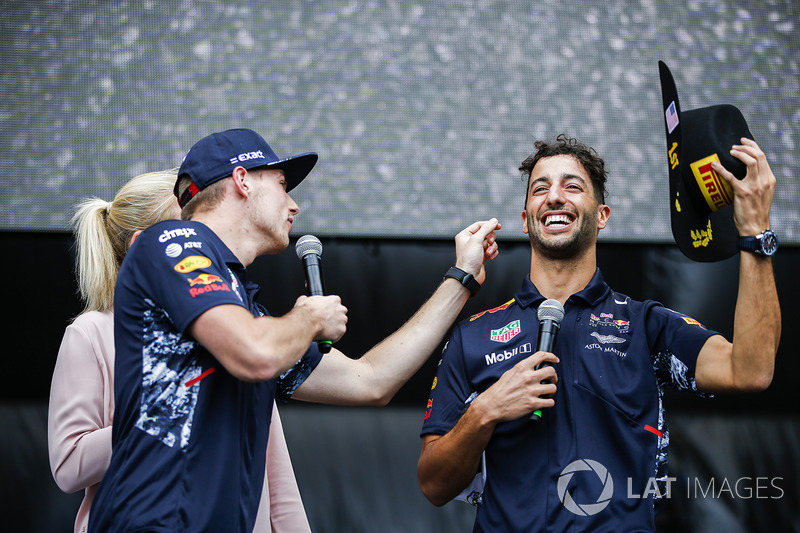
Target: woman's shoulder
x,y
94,319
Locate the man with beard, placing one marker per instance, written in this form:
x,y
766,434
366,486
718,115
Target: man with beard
x,y
601,398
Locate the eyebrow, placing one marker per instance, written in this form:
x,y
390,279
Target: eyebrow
x,y
564,177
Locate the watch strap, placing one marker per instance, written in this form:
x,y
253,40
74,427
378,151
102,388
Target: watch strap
x,y
748,244
764,244
466,279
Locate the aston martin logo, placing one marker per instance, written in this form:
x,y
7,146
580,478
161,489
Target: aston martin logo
x,y
607,339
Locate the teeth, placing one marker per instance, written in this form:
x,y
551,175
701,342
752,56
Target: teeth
x,y
556,219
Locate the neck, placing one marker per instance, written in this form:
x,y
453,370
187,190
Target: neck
x,y
232,231
561,278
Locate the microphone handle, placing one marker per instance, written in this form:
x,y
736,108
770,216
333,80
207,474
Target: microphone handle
x,y
314,287
548,329
313,271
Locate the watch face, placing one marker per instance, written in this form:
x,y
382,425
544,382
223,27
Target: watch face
x,y
769,243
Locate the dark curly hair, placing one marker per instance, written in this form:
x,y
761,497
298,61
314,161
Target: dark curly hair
x,y
586,156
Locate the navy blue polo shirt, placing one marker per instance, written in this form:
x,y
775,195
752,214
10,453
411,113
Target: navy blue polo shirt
x,y
189,439
597,460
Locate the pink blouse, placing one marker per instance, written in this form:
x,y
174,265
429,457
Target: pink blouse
x,y
79,428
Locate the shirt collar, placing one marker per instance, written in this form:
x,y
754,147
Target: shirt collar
x,y
597,289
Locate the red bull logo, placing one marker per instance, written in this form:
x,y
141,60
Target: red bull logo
x,y
716,190
204,279
428,409
215,286
496,309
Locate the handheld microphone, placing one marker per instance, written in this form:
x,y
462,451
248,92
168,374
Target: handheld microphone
x,y
309,250
550,314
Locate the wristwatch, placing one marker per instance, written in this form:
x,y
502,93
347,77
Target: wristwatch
x,y
467,280
766,243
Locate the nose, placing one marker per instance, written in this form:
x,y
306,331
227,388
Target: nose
x,y
293,207
555,196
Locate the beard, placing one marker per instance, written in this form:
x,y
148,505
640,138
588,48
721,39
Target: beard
x,y
564,246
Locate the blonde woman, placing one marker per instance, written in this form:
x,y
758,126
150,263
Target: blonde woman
x,y
82,391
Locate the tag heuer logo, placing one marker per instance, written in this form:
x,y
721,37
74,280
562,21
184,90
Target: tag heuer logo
x,y
507,332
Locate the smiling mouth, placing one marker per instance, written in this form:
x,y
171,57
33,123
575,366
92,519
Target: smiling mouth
x,y
557,221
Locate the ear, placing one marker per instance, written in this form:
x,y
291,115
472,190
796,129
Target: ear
x,y
604,212
134,237
524,222
240,179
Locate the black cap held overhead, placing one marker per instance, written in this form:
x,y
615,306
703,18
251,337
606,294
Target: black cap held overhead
x,y
700,200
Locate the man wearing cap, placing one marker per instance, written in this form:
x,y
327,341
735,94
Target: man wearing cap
x,y
596,459
199,362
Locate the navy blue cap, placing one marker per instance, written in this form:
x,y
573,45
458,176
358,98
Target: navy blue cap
x,y
215,156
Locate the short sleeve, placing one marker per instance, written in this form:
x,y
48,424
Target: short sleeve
x,y
188,279
451,391
295,376
678,341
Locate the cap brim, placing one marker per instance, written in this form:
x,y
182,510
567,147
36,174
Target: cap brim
x,y
700,237
295,168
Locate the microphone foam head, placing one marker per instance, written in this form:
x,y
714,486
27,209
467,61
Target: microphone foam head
x,y
308,244
551,310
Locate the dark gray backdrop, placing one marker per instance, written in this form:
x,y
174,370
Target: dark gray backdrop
x,y
421,112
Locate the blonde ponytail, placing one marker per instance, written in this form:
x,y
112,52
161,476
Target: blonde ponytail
x,y
103,232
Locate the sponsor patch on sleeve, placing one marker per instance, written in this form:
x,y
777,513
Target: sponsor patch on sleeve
x,y
692,322
192,263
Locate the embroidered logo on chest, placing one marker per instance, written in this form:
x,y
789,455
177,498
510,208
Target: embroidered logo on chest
x,y
607,320
507,332
606,339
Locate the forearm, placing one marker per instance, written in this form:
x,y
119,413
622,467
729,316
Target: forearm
x,y
286,512
757,324
82,461
447,464
251,348
376,377
393,361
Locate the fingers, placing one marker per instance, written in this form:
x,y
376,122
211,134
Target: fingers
x,y
753,194
482,228
327,314
748,146
482,231
723,173
521,390
486,229
537,368
490,247
543,357
474,245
